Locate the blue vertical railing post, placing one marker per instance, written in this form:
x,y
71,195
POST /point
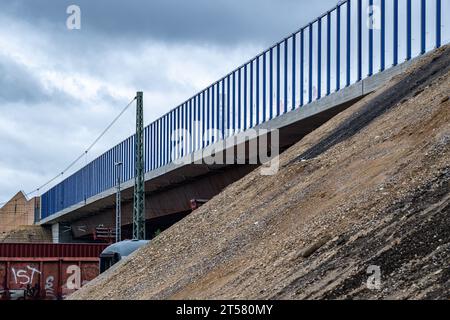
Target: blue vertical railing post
x,y
171,124
359,44
161,147
239,98
189,127
193,127
328,53
257,91
310,63
285,102
319,58
163,140
164,135
302,66
213,119
278,81
186,128
159,129
208,115
251,95
338,47
223,110
371,26
166,138
152,149
293,70
182,126
271,84
264,95
191,124
213,113
395,35
219,110
158,148
168,149
383,35
245,97
423,26
228,104
234,102
167,146
194,123
198,124
408,29
202,135
178,126
438,23
349,11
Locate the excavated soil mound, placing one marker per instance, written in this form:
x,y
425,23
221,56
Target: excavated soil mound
x,y
367,192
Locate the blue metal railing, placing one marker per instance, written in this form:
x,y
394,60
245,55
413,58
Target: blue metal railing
x,y
295,68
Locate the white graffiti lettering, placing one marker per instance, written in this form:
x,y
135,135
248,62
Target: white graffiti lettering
x,y
74,280
49,289
23,277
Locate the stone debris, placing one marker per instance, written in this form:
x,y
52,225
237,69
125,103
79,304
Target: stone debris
x,y
371,200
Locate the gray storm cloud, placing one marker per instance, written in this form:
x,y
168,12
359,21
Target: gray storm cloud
x,y
222,22
59,89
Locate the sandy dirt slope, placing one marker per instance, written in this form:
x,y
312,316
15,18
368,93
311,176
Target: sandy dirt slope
x,y
370,187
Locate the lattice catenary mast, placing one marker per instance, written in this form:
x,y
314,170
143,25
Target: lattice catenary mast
x,y
139,187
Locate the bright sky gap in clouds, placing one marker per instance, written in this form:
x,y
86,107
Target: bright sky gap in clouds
x,y
59,89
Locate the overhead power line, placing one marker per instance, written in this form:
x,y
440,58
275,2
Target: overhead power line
x,y
74,162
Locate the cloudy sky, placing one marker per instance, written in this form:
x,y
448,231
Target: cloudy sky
x,y
60,88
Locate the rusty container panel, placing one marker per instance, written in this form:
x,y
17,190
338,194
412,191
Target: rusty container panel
x,y
44,278
77,273
50,281
51,250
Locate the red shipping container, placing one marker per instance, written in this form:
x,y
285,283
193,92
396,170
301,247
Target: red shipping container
x,y
51,250
46,271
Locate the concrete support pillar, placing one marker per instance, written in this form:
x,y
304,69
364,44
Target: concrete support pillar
x,y
62,233
55,233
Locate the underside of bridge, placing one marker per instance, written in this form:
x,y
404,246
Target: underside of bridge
x,y
165,204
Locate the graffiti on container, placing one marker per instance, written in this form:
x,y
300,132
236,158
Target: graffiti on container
x,y
49,287
29,282
74,280
23,276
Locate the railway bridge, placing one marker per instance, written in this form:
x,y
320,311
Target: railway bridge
x,y
249,116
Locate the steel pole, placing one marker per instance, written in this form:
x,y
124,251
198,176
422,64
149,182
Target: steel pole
x,y
139,192
118,205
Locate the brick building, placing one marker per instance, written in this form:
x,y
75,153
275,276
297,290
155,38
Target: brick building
x,y
17,212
